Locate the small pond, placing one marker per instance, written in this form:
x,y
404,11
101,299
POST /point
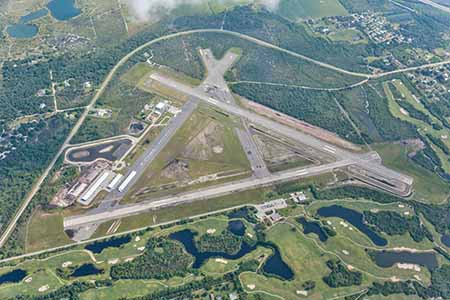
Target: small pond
x,y
34,16
22,31
98,247
313,227
353,217
236,227
86,270
274,265
13,276
63,10
445,239
386,259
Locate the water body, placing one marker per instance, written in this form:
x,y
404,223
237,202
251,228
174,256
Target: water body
x,y
63,10
86,270
34,16
98,247
274,265
445,239
386,259
22,31
13,276
313,227
353,217
236,227
110,151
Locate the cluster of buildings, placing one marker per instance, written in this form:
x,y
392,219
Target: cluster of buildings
x,y
93,179
433,82
268,210
375,26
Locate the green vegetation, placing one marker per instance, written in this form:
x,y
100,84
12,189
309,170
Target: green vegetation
x,y
295,9
341,276
393,223
162,259
223,242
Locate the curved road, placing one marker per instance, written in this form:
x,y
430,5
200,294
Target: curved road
x,y
110,75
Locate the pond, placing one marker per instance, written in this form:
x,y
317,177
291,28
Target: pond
x,y
110,151
274,265
353,217
236,227
98,247
445,239
22,31
86,270
386,259
13,276
34,16
313,227
63,10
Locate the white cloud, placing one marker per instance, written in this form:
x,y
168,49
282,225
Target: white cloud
x,y
145,9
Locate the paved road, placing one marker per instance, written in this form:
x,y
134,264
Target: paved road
x,y
436,5
201,194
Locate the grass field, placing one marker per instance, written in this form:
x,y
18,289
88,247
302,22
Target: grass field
x,y
423,127
428,187
300,9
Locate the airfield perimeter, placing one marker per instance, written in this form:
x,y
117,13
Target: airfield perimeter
x,y
214,91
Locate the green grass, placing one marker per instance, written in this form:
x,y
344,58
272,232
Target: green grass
x,y
348,35
422,126
130,288
45,231
136,73
428,187
298,9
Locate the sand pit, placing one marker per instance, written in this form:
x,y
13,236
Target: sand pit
x,y
251,286
211,231
43,288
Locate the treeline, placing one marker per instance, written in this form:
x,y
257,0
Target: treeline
x,y
224,242
435,214
438,289
340,276
392,223
315,107
415,113
22,166
162,259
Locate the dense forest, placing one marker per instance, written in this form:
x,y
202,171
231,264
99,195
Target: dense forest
x,y
223,242
340,275
162,258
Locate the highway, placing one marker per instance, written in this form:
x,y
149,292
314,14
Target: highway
x,y
201,194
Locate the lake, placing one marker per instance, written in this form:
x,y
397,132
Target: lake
x,y
98,247
86,270
386,259
13,276
34,16
22,31
63,10
274,265
353,217
313,227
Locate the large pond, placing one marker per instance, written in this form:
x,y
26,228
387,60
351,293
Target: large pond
x,y
386,259
98,247
22,31
274,265
313,227
353,217
13,276
63,10
86,270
